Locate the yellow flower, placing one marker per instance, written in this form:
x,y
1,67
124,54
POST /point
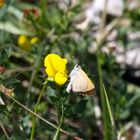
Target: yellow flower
x,y
56,68
1,3
24,42
34,40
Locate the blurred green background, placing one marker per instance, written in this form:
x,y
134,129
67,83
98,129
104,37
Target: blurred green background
x,y
87,33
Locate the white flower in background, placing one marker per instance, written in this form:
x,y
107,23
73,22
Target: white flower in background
x,y
114,7
97,111
93,11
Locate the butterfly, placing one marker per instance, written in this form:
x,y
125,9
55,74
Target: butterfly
x,y
80,82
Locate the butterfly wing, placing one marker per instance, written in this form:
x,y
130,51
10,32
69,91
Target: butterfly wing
x,y
79,83
82,84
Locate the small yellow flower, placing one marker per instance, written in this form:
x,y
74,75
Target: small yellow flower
x,y
34,40
2,3
24,42
56,68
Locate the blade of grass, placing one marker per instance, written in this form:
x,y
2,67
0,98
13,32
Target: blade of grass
x,y
108,122
105,116
108,106
106,111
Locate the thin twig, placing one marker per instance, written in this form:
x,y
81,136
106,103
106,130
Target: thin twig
x,y
103,19
4,130
102,36
20,69
41,118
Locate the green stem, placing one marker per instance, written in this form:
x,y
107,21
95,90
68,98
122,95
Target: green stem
x,y
60,124
35,110
33,75
34,25
37,66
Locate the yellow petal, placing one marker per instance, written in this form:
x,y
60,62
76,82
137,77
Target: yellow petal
x,y
56,68
60,78
50,72
24,42
34,40
62,66
52,62
65,60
